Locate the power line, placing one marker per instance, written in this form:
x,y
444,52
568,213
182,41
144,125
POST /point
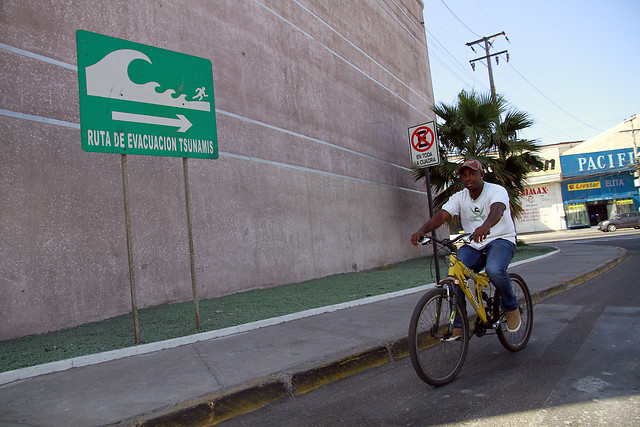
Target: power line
x,y
487,57
445,65
549,99
459,20
484,13
437,45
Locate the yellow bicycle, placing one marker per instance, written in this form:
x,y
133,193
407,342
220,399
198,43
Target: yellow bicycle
x,y
436,355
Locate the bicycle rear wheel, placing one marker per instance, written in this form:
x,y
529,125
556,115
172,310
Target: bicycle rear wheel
x,y
436,359
514,341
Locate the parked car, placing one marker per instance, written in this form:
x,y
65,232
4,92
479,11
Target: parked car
x,y
624,220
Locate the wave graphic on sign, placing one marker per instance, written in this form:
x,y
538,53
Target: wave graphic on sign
x,y
109,78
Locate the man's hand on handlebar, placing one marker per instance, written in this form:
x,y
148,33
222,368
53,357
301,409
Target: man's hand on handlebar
x,y
481,233
417,236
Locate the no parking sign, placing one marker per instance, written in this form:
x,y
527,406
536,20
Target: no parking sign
x,y
423,145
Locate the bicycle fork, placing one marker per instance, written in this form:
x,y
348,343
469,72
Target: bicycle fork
x,y
452,299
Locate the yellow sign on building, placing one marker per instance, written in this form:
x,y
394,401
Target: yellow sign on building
x,y
583,186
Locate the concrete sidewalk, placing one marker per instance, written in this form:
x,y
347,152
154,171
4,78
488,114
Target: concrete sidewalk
x,y
208,381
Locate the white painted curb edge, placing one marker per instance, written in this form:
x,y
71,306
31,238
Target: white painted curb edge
x,y
93,359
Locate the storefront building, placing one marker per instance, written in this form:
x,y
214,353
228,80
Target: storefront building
x,y
541,199
598,185
583,183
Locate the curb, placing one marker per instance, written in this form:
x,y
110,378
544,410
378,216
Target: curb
x,y
306,381
217,408
214,409
564,286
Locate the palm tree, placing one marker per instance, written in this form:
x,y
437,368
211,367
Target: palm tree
x,y
484,128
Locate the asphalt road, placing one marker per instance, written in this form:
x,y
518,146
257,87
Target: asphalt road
x,y
581,367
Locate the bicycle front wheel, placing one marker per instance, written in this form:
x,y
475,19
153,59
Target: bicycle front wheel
x,y
514,341
436,358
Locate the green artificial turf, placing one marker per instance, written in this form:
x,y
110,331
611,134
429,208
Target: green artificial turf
x,y
176,320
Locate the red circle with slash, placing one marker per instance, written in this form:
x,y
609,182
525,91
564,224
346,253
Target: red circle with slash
x,y
422,139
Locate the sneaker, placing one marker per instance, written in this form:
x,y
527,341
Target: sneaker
x,y
513,320
455,335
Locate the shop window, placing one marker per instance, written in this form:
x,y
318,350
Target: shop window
x,y
624,205
577,215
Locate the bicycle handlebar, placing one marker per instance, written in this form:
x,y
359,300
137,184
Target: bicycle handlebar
x,y
449,243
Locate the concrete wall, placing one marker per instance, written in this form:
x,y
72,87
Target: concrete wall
x,y
313,102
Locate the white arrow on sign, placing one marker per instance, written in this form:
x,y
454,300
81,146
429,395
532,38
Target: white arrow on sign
x,y
181,122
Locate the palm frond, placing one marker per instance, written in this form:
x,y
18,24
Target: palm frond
x,y
485,128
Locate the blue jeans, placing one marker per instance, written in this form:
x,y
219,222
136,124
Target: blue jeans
x,y
494,258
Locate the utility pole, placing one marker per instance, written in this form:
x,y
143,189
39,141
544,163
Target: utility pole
x,y
636,162
488,56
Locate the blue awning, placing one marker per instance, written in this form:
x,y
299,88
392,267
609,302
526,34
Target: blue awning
x,y
605,196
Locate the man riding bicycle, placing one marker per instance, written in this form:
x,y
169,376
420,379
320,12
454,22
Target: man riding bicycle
x,y
482,207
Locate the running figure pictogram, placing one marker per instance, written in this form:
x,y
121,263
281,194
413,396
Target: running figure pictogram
x,y
200,94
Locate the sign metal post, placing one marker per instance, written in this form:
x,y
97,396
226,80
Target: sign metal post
x,y
127,222
192,262
425,152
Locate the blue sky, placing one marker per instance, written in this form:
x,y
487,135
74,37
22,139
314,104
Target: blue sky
x,y
574,66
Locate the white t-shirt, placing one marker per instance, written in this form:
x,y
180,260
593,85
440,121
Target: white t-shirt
x,y
473,213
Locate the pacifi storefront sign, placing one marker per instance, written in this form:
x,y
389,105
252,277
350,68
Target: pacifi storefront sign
x,y
139,99
596,163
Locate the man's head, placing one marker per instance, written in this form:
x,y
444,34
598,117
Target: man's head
x,y
471,173
471,164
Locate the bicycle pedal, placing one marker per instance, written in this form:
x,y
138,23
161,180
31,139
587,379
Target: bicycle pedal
x,y
447,279
496,325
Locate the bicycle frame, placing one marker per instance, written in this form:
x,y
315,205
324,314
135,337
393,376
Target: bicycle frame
x,y
436,348
461,273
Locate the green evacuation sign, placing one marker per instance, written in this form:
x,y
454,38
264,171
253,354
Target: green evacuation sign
x,y
139,99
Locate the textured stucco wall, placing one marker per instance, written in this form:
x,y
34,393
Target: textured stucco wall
x,y
313,102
